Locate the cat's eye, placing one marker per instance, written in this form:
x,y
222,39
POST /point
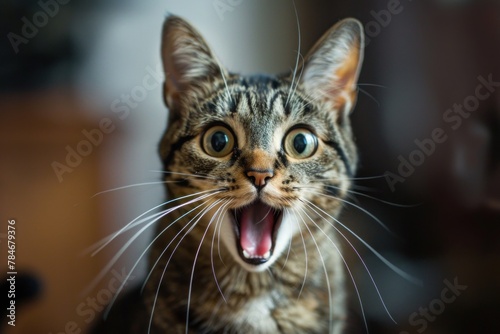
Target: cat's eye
x,y
218,141
300,143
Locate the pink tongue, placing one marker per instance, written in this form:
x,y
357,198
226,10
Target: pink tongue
x,y
257,222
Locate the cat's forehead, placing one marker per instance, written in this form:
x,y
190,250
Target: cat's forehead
x,y
258,99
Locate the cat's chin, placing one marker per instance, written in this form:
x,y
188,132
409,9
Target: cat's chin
x,y
256,235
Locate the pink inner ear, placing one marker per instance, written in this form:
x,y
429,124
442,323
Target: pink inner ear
x,y
344,88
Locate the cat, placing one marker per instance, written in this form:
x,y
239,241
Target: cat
x,y
256,169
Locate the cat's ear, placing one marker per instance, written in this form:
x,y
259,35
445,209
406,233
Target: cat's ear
x,y
187,59
332,67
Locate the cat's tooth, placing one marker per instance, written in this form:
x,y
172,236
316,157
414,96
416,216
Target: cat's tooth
x,y
246,255
267,255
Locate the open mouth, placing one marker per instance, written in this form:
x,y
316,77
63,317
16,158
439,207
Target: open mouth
x,y
256,226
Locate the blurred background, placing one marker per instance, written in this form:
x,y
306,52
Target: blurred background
x,y
81,113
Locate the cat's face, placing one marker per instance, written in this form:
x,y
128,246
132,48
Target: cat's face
x,y
263,157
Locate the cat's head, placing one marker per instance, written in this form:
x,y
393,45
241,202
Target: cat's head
x,y
262,158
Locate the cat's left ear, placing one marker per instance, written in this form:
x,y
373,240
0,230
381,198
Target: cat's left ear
x,y
187,60
331,68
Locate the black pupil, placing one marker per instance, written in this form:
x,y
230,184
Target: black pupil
x,y
219,141
300,143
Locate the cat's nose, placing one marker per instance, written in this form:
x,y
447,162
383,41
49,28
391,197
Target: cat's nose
x,y
259,177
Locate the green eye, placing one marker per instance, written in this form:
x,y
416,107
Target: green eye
x,y
300,143
218,141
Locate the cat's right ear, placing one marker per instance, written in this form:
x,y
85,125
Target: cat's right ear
x,y
187,60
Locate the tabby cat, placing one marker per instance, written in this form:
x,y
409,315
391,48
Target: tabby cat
x,y
256,169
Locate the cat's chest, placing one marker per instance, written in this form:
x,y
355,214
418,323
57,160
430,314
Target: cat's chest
x,y
274,313
258,313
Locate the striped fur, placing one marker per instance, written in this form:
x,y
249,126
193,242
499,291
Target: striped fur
x,y
207,283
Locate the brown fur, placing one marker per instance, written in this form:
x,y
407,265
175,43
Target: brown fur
x,y
195,277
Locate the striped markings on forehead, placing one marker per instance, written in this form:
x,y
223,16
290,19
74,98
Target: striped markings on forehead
x,y
254,101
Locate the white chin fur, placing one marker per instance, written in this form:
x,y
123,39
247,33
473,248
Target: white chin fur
x,y
287,229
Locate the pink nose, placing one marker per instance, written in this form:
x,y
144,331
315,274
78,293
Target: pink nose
x,y
260,177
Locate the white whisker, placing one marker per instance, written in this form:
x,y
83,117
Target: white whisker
x,y
327,278
195,176
351,178
193,224
361,259
217,224
105,241
122,250
198,217
287,212
355,206
306,256
196,258
218,244
298,53
367,196
370,96
228,93
397,270
298,78
110,305
130,186
373,85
